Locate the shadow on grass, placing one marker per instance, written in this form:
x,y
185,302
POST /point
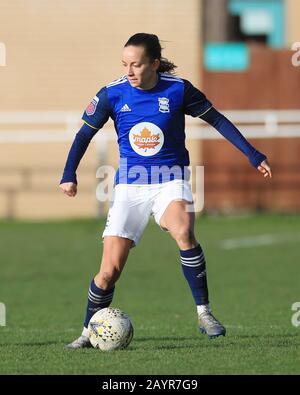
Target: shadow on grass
x,y
236,341
167,338
270,336
188,342
181,342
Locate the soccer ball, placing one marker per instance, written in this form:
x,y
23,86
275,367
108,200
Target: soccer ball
x,y
110,329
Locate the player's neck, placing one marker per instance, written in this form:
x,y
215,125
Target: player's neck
x,y
151,83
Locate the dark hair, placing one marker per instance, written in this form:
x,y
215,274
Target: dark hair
x,y
153,50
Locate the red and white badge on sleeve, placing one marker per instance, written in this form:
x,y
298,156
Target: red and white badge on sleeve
x,y
91,108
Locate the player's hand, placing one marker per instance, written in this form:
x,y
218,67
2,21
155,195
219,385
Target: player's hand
x,y
69,188
265,169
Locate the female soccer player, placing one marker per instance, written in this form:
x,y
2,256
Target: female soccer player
x,y
148,105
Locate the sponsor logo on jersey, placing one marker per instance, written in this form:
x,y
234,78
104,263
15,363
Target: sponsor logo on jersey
x,y
163,103
146,138
91,108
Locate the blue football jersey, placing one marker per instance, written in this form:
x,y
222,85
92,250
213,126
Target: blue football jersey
x,y
150,125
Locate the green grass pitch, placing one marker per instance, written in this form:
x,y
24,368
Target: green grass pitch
x,y
46,268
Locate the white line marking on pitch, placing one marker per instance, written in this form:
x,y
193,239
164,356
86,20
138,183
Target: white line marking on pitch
x,y
259,240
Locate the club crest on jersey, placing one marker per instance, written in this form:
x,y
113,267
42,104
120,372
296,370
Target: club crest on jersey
x,y
91,108
163,103
146,138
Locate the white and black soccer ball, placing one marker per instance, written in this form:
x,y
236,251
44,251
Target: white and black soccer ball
x,y
110,329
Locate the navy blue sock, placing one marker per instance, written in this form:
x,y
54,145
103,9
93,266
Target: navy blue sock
x,y
97,299
194,270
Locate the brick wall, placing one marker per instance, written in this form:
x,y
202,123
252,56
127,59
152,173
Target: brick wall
x,y
231,184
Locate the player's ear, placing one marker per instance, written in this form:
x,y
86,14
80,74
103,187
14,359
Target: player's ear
x,y
156,64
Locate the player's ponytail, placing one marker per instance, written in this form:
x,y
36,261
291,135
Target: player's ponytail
x,y
153,49
166,66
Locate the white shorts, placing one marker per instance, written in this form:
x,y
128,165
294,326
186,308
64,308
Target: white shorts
x,y
132,205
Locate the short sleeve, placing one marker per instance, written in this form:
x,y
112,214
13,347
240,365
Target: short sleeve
x,y
98,111
195,102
